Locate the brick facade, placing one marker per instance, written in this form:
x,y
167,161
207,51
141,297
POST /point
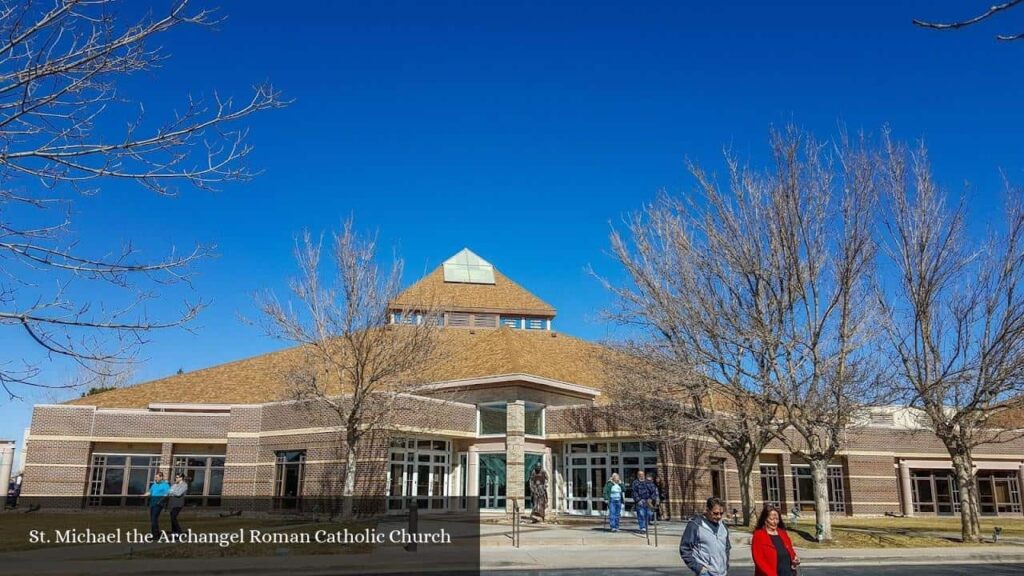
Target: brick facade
x,y
64,437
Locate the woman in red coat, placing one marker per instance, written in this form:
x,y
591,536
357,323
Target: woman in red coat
x,y
771,547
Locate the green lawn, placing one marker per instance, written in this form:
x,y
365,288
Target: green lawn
x,y
1010,526
888,532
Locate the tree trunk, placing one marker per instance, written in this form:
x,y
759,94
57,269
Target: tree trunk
x,y
822,514
350,481
745,468
970,525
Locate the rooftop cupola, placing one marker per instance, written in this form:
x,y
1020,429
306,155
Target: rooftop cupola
x,y
471,293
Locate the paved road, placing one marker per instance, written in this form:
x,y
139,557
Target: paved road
x,y
917,570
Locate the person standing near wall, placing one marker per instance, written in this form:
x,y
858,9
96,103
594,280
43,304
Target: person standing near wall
x,y
613,495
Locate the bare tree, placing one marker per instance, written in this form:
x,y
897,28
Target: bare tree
x,y
359,358
956,318
66,131
695,293
812,219
764,289
990,12
101,377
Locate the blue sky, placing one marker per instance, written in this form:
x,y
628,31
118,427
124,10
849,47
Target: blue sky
x,y
522,129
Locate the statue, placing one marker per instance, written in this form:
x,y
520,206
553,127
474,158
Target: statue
x,y
539,492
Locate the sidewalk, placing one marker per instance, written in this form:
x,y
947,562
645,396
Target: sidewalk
x,y
545,547
557,547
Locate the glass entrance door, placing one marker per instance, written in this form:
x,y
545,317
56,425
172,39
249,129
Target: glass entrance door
x,y
588,466
492,481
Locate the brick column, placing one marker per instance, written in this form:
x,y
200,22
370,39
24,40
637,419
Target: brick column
x,y
906,495
167,460
515,453
786,481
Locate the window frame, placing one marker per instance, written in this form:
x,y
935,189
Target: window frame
x,y
98,475
205,499
280,468
836,495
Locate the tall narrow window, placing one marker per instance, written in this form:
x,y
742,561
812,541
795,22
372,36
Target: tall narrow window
x,y
718,478
288,479
770,485
534,419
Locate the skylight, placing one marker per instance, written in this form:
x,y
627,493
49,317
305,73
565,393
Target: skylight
x,y
467,267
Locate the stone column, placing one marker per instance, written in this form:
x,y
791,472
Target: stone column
x,y
473,488
906,495
515,454
549,465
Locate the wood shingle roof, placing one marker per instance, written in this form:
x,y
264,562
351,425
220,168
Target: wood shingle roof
x,y
462,354
502,296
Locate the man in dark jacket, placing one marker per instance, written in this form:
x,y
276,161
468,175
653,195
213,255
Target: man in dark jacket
x,y
645,499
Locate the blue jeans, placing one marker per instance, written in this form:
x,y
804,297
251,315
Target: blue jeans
x,y
614,513
154,520
643,516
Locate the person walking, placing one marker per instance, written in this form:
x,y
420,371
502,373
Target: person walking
x,y
177,500
613,495
645,499
157,493
662,499
705,545
771,547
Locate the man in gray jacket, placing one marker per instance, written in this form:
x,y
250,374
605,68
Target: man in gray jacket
x,y
178,492
705,544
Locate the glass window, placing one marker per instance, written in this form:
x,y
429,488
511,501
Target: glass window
x,y
492,419
534,420
770,485
803,488
512,321
200,472
121,479
288,478
536,323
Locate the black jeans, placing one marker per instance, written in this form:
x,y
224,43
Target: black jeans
x,y
154,520
175,527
